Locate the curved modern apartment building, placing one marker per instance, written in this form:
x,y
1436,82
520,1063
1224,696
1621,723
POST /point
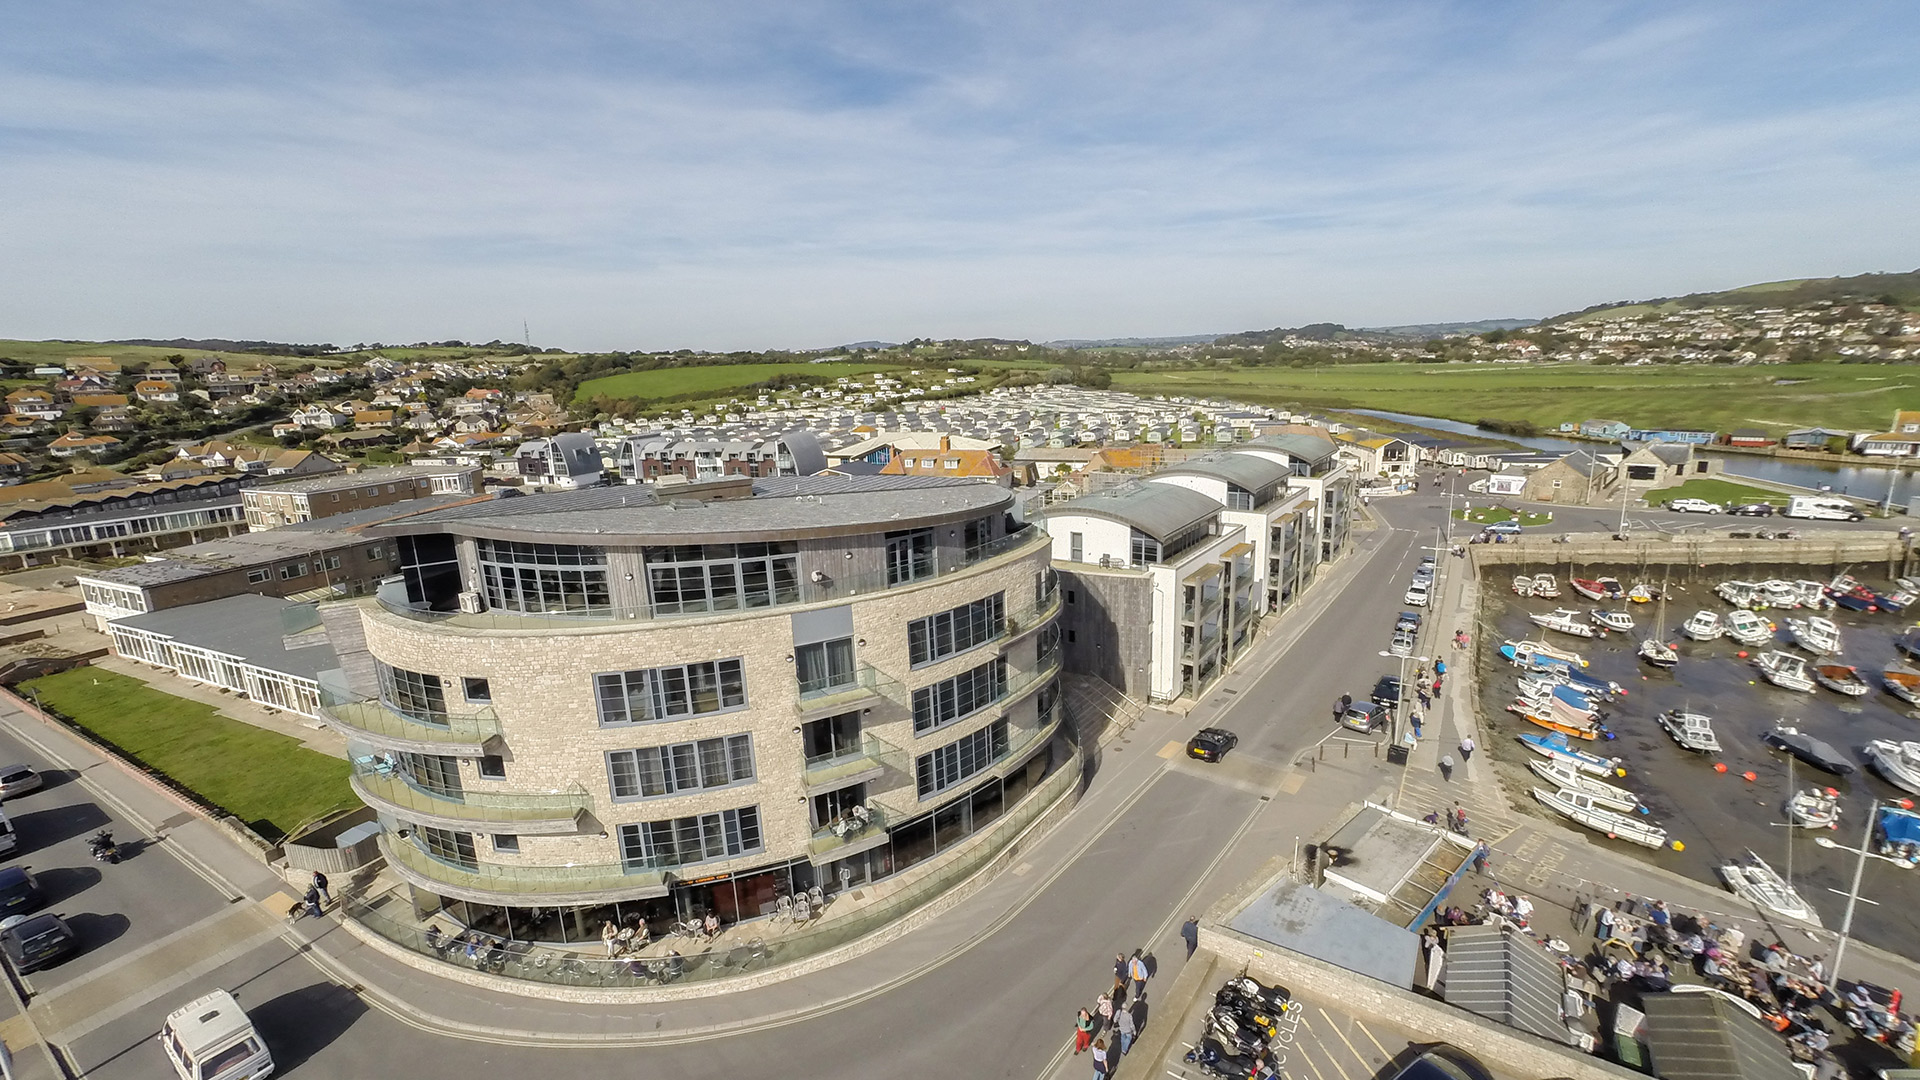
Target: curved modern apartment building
x,y
586,705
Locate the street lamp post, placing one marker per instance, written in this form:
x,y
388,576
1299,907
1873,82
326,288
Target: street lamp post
x,y
1393,728
1853,894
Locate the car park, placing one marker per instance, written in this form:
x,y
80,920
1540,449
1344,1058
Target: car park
x,y
17,780
1402,644
19,892
1211,744
1408,621
1365,716
1417,594
1695,506
36,941
1752,510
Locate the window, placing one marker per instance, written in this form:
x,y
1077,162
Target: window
x,y
963,695
1077,547
909,556
421,697
680,767
1070,596
964,757
824,665
492,767
373,553
293,570
433,772
333,562
556,579
506,844
476,690
679,841
255,577
698,578
671,693
448,846
1047,645
948,633
1048,705
979,533
832,737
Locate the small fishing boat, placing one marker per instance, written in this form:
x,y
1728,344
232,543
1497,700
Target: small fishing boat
x,y
1611,620
1747,628
1850,594
1779,594
1523,652
1821,755
1555,747
1581,808
1640,594
1785,670
1897,762
1897,836
1817,635
1896,601
1588,588
1812,594
1612,587
1755,882
1909,642
1523,585
1545,587
1658,653
1545,717
1907,585
1610,796
1902,682
1565,621
1738,593
1558,673
1814,808
1691,730
1841,679
1703,626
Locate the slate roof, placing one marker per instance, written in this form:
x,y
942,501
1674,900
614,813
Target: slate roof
x,y
1162,511
249,626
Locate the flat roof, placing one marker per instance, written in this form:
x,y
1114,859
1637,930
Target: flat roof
x,y
1162,511
341,481
250,626
1294,915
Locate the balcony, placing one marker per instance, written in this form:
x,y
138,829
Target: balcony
x,y
872,758
389,790
867,687
1204,610
846,837
379,724
497,883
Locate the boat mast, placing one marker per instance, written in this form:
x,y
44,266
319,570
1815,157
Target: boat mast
x,y
1791,824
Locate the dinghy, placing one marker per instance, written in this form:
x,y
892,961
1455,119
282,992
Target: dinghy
x,y
1748,629
1545,587
1522,585
1556,748
1841,679
1703,626
1785,670
1640,594
1561,775
1545,717
1814,808
1582,809
1691,730
1902,682
1612,587
1755,882
1564,621
1523,652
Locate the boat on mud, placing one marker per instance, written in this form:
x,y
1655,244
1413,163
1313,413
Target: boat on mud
x,y
1640,594
1786,671
1555,747
1588,588
1738,593
1894,600
1909,642
1525,652
1897,836
1611,587
1747,628
1611,796
1565,621
1703,626
1691,730
1757,883
1582,809
1658,653
1814,808
1816,635
1897,762
1778,594
1850,594
1545,587
1523,585
1544,715
1611,620
1815,752
1902,682
1841,679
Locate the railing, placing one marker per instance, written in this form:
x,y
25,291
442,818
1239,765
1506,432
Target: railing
x,y
847,831
390,917
379,780
872,753
1200,612
535,883
381,723
867,681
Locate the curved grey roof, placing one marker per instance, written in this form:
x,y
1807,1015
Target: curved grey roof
x,y
1299,444
1249,471
1162,511
805,450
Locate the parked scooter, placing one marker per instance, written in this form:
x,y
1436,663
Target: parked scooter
x,y
1216,1060
1249,1013
1225,1025
1272,999
103,847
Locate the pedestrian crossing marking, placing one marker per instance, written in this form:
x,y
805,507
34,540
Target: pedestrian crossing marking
x,y
1293,782
277,904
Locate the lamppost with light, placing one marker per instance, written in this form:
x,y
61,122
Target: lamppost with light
x,y
1393,729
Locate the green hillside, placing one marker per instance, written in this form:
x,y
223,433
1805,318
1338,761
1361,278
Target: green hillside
x,y
1899,289
688,383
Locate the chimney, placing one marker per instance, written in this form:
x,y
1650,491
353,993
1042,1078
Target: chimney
x,y
946,442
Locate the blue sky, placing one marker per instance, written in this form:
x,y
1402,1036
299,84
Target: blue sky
x,y
803,173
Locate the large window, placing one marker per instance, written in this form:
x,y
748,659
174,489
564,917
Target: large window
x,y
680,767
909,556
979,533
824,665
670,693
963,695
964,757
545,579
1046,645
1145,550
420,697
697,578
679,841
937,637
448,846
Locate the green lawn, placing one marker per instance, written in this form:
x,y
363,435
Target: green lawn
x,y
1493,515
716,378
1724,492
1774,398
265,779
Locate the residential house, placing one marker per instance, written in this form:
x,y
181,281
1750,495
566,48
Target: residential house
x,y
104,514
73,442
205,366
107,404
36,403
1749,437
568,460
642,458
319,416
881,448
982,465
1655,465
1605,429
14,424
1576,479
1816,438
13,466
294,463
1671,435
156,391
308,498
373,418
1377,455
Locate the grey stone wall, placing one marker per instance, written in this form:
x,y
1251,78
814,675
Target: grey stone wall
x,y
1106,625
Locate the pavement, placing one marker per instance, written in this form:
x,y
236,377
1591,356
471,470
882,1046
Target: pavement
x,y
1155,839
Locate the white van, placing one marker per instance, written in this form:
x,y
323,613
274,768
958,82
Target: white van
x,y
210,1038
1822,508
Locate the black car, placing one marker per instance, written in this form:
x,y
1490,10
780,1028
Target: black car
x,y
1211,744
1364,717
40,941
19,892
1443,1062
1752,510
1386,692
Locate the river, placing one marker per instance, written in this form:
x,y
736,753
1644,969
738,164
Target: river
x,y
1861,481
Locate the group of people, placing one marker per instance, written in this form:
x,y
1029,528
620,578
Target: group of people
x,y
1114,1014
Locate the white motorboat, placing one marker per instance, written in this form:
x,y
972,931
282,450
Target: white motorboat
x,y
1611,620
1691,730
1659,653
1814,808
1755,882
1738,593
1902,682
1785,670
1581,808
1565,621
1525,651
1555,747
1562,775
1898,762
1817,635
1703,626
1907,584
1812,595
1545,587
1777,593
1523,585
1747,628
1841,679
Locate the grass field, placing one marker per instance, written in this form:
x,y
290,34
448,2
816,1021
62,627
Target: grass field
x,y
1774,398
265,779
717,379
1724,492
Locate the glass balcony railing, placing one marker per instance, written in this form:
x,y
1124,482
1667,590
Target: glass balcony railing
x,y
380,724
866,683
384,785
847,831
521,883
872,753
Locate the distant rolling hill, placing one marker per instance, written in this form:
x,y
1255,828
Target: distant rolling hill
x,y
1900,289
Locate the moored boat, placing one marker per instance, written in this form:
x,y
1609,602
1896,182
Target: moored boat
x,y
1841,679
1525,651
1523,585
1816,635
1897,762
1785,670
1545,587
1902,682
1611,620
1545,717
1779,594
1612,587
1815,752
1581,808
1812,594
1747,628
1588,588
1640,594
1555,747
1814,808
1909,642
1894,600
1562,775
1565,621
1850,594
1738,593
1658,653
1703,626
1755,882
1691,730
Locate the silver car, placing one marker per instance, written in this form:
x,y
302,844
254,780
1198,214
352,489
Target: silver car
x,y
1402,644
16,780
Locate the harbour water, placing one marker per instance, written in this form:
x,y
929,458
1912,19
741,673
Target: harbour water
x,y
1719,817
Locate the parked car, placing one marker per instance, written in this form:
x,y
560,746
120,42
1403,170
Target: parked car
x,y
19,892
17,780
1408,621
1752,509
1695,506
1504,528
1386,692
1402,644
1364,717
1211,744
37,941
1444,1062
1416,594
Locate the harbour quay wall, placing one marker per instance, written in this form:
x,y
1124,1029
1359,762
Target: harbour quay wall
x,y
1882,555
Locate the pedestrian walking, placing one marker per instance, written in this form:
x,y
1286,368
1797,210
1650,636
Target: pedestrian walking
x,y
1414,718
1446,767
1103,1011
1082,1032
1099,1059
1482,855
1439,667
1137,971
1420,674
1436,687
1421,693
1127,1030
1119,976
1603,924
312,900
320,882
1190,933
1582,911
1466,748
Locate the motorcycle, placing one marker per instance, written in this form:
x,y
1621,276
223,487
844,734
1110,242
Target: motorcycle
x,y
1272,999
1225,1025
1216,1060
1249,1013
103,847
